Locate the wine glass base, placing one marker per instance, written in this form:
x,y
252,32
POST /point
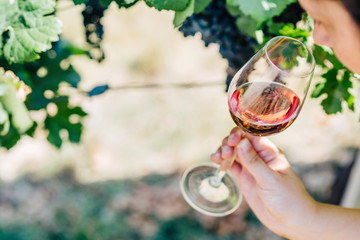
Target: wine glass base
x,y
199,192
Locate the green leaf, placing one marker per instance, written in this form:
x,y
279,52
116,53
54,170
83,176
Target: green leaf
x,y
345,85
180,16
261,10
336,91
4,121
234,10
56,71
28,29
10,139
176,5
193,6
3,86
319,90
61,121
120,3
247,25
290,30
331,105
54,131
78,2
200,5
324,54
20,117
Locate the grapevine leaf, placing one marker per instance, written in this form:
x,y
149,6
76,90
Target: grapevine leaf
x,y
274,28
193,6
180,16
51,62
336,91
247,25
234,10
4,121
287,29
10,101
3,87
46,75
331,105
78,2
27,28
324,54
54,131
200,5
345,84
61,121
120,3
74,131
319,90
176,5
10,139
261,10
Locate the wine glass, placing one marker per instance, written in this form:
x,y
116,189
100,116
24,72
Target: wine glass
x,y
265,96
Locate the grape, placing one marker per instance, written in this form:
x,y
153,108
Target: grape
x,y
92,15
216,25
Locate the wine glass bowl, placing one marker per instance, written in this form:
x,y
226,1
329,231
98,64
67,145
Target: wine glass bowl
x,y
267,93
264,97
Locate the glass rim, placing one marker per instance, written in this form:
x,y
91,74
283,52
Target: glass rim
x,y
302,44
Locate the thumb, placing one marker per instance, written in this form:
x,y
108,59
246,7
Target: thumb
x,y
253,163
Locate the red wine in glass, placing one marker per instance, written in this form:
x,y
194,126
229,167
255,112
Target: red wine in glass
x,y
264,108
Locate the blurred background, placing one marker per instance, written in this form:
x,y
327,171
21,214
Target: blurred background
x,y
121,180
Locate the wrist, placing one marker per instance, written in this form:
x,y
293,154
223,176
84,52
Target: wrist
x,y
328,222
304,223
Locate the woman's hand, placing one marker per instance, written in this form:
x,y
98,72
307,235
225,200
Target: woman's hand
x,y
269,185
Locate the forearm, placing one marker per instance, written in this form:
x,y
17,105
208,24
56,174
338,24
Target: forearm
x,y
328,222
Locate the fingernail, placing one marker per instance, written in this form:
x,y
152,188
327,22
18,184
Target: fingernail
x,y
244,145
231,138
225,150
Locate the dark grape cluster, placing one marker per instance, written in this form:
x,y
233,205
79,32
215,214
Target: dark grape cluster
x,y
92,15
216,25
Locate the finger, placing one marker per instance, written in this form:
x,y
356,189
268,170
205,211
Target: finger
x,y
224,141
228,144
250,160
245,180
234,137
269,153
227,152
216,156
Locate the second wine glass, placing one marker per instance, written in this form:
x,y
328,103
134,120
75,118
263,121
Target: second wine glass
x,y
265,96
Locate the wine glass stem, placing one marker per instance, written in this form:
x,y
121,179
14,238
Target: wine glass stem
x,y
221,171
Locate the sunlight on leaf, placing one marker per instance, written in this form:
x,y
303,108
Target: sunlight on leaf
x,y
27,28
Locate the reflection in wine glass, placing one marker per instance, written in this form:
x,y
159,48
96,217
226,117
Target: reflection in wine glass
x,y
265,96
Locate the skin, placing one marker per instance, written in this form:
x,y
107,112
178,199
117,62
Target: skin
x,y
277,196
334,27
269,185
